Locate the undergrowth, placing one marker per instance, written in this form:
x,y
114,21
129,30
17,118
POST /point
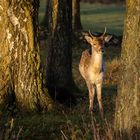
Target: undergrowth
x,y
70,123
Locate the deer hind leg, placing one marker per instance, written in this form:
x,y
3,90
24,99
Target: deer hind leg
x,y
91,90
99,97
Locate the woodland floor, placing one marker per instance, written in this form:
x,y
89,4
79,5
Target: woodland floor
x,y
76,123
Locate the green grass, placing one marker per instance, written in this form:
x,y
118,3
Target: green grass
x,y
95,17
76,123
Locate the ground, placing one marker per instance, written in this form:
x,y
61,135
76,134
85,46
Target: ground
x,y
77,123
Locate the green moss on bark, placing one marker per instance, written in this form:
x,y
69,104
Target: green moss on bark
x,y
22,56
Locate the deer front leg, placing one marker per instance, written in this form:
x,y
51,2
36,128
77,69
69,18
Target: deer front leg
x,y
91,90
99,97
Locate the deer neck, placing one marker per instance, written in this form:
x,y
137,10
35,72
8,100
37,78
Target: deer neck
x,y
97,60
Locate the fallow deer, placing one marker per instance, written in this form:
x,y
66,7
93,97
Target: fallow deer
x,y
92,67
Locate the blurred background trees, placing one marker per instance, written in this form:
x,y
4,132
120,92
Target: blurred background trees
x,y
76,21
77,25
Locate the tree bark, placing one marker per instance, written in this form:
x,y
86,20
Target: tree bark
x,y
127,116
20,66
76,15
59,46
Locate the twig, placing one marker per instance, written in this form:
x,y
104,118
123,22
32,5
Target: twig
x,y
20,130
64,135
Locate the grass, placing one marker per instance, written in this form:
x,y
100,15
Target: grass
x,y
98,16
76,123
95,17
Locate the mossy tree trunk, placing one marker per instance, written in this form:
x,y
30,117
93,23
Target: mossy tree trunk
x,y
76,15
20,66
127,117
59,45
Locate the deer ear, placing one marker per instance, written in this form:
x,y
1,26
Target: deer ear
x,y
107,38
88,39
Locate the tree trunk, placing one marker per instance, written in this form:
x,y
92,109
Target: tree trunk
x,y
59,46
76,15
127,116
20,66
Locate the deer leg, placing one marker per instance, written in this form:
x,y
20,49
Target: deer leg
x,y
99,97
91,90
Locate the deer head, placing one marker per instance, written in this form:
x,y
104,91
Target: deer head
x,y
98,42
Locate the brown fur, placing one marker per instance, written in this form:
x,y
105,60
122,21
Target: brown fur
x,y
92,68
85,59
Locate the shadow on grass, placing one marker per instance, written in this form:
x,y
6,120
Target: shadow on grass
x,y
109,100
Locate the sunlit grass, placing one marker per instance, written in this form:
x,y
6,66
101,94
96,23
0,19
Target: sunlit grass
x,y
95,17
